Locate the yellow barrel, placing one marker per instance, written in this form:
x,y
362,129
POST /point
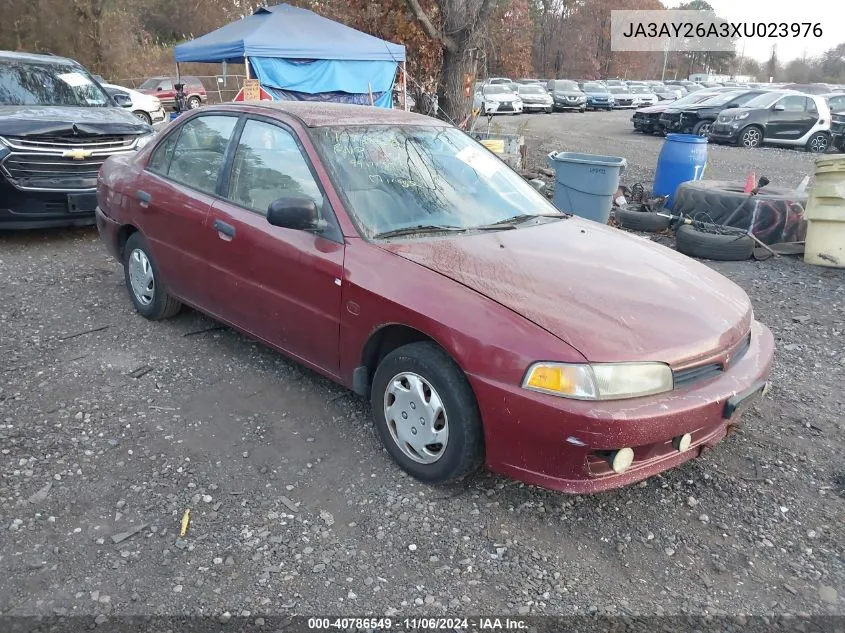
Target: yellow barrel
x,y
825,213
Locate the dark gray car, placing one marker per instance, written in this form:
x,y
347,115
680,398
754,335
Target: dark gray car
x,y
567,95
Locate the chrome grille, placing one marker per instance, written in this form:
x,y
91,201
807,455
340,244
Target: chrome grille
x,y
60,163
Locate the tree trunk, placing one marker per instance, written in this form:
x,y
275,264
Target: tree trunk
x,y
454,104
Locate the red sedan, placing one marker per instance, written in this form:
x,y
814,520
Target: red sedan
x,y
397,256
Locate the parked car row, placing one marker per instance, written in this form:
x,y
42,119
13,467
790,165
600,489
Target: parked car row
x,y
502,95
752,117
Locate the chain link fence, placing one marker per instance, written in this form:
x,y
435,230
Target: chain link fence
x,y
219,88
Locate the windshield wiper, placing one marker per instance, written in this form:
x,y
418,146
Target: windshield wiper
x,y
510,222
420,228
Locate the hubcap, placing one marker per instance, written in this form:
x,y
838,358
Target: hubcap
x,y
416,417
141,277
751,138
704,130
819,144
193,104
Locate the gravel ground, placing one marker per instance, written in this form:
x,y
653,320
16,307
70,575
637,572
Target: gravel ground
x,y
112,426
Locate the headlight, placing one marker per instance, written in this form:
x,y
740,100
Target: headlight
x,y
601,381
143,140
744,115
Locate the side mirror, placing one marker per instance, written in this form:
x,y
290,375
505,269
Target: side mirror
x,y
158,88
123,100
778,107
294,212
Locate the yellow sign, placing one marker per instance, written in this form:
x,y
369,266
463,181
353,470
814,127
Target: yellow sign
x,y
77,154
494,145
252,90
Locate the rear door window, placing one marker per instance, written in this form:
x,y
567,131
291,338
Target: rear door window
x,y
197,156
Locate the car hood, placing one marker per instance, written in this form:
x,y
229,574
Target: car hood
x,y
59,120
655,109
597,94
568,93
734,111
610,295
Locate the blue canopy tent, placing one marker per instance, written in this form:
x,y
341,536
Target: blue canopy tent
x,y
299,55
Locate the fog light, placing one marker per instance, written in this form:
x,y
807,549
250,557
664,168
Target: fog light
x,y
621,460
682,442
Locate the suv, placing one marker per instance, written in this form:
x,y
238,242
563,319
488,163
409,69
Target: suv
x,y
697,118
165,89
779,117
567,95
57,127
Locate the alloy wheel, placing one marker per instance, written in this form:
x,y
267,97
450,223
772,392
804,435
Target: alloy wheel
x,y
416,417
818,144
751,137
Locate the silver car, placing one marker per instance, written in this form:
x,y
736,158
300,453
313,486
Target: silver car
x,y
535,98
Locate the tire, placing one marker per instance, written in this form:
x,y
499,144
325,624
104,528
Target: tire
x,y
818,143
725,202
641,220
702,128
548,110
427,364
194,102
693,242
750,137
143,116
154,304
582,110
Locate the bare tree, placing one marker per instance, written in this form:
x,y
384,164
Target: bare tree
x,y
461,34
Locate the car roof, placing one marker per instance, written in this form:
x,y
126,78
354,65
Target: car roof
x,y
39,58
321,114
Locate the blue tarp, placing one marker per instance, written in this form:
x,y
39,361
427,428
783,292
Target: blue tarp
x,y
298,54
327,80
287,32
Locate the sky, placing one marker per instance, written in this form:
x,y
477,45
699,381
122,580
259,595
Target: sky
x,y
822,12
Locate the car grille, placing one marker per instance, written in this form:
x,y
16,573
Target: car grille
x,y
691,375
60,163
505,105
624,101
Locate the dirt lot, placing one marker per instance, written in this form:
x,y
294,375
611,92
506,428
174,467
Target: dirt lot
x,y
111,426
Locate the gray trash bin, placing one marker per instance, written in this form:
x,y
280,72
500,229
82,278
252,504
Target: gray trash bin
x,y
586,183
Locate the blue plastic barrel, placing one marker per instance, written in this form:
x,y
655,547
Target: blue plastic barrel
x,y
683,158
586,183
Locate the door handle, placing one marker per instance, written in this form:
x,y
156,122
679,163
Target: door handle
x,y
144,198
226,229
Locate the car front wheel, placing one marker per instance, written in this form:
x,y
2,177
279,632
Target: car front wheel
x,y
702,128
143,281
752,136
426,414
194,102
818,143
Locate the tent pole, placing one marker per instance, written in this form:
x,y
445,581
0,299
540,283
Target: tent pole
x,y
405,87
246,63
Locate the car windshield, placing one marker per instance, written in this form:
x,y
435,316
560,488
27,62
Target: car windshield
x,y
565,85
532,90
36,84
640,90
693,97
496,90
721,99
616,89
593,87
399,178
764,100
149,84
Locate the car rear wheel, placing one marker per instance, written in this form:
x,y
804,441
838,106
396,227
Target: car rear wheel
x,y
426,414
750,137
144,283
143,116
818,143
702,128
194,102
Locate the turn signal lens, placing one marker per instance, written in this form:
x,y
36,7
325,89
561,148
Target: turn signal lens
x,y
605,381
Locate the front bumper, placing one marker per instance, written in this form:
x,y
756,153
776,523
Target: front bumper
x,y
603,104
536,106
44,209
159,115
722,133
562,103
559,444
672,123
502,108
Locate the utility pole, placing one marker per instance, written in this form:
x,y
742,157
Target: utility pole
x,y
665,58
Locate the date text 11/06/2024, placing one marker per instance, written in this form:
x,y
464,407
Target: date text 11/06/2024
x,y
418,624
